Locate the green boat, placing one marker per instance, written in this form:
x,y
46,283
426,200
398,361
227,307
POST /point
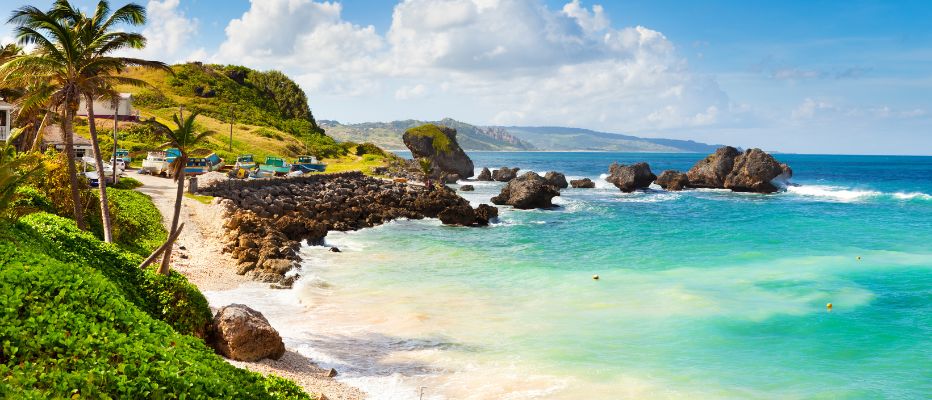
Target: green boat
x,y
275,165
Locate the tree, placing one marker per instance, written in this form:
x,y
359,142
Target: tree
x,y
72,56
427,169
185,139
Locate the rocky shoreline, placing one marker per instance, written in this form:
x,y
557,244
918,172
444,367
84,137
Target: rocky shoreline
x,y
267,220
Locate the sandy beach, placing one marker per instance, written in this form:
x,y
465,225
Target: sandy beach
x,y
197,254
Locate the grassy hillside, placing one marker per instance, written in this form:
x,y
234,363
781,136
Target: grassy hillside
x,y
270,112
388,134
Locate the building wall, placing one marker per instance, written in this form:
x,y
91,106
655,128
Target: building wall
x,y
4,124
104,109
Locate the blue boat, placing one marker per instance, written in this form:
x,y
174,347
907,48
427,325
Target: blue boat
x,y
308,164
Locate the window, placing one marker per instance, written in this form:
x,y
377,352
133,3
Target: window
x,y
3,118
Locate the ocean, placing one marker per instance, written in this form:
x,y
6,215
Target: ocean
x,y
702,293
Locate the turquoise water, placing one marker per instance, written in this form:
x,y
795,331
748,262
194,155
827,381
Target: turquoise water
x,y
702,294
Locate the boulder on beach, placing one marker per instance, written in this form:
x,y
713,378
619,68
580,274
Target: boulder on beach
x,y
485,214
711,171
462,215
629,178
243,334
527,191
467,188
451,178
439,145
673,180
755,171
485,175
584,183
505,174
556,179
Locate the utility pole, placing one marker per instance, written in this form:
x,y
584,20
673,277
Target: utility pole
x,y
232,119
116,118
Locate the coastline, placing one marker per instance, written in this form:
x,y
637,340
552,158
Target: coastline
x,y
198,255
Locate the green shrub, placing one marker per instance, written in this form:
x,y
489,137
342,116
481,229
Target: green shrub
x,y
369,148
126,183
371,157
440,142
168,298
137,223
68,332
29,199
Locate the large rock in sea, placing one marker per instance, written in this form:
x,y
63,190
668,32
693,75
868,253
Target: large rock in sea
x,y
462,215
527,191
755,171
751,171
584,183
241,333
629,178
711,171
439,145
485,214
484,175
505,174
673,180
556,179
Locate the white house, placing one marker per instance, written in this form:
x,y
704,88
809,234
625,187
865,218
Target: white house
x,y
6,117
104,108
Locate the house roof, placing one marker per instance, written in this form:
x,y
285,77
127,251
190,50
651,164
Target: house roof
x,y
5,106
52,135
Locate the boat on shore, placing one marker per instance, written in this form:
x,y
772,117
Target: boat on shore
x,y
123,155
156,163
202,165
245,161
274,166
307,164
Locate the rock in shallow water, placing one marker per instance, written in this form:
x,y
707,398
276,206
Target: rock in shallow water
x,y
485,175
527,191
241,333
556,179
754,171
462,215
672,180
711,171
584,183
485,214
505,174
438,143
467,188
629,178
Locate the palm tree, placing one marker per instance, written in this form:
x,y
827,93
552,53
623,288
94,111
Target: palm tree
x,y
185,139
427,168
72,57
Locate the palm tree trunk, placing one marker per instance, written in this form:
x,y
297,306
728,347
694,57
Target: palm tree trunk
x,y
166,258
101,176
37,141
68,137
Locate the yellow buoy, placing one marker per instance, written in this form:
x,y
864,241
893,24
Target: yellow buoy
x,y
829,306
596,277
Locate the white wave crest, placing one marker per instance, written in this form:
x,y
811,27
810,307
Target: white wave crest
x,y
912,196
834,193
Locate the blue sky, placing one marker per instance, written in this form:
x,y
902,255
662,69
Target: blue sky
x,y
795,76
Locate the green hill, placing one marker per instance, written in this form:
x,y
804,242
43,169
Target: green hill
x,y
388,134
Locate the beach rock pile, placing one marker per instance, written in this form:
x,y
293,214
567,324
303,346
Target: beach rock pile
x,y
584,183
505,174
243,334
629,178
439,145
485,175
556,179
268,219
751,171
672,180
527,191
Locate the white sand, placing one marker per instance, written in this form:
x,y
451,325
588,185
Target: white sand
x,y
207,267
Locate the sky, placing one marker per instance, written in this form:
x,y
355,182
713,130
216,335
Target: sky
x,y
793,76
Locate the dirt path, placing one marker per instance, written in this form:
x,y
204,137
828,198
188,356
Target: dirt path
x,y
197,255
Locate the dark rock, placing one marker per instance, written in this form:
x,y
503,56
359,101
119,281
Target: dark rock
x,y
438,143
527,191
486,214
451,178
335,249
629,178
467,188
754,171
331,373
505,174
241,333
584,183
556,179
712,171
484,175
672,180
462,215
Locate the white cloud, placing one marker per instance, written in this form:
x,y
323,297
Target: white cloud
x,y
504,61
169,33
811,107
